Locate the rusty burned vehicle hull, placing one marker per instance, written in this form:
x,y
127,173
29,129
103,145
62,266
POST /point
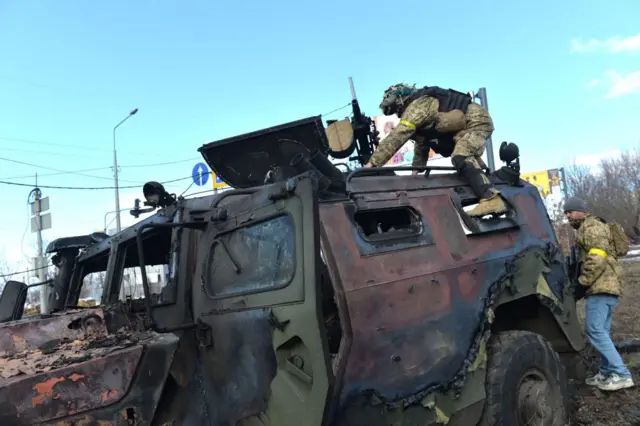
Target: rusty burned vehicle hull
x,y
313,299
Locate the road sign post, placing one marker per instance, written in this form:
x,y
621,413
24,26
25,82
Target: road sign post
x,y
41,222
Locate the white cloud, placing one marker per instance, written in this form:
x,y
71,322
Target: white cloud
x,y
620,85
611,45
593,83
617,84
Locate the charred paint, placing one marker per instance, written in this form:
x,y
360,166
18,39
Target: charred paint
x,y
440,290
142,395
50,396
32,334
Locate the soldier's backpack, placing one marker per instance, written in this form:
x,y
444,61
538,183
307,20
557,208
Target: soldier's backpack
x,y
620,241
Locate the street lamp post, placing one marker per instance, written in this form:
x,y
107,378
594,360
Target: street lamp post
x,y
115,169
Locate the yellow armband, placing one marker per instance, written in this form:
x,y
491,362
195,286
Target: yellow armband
x,y
601,253
408,124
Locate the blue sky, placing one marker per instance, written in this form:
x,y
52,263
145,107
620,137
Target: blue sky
x,y
558,81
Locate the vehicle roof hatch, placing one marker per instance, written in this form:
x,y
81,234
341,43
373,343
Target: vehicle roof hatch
x,y
243,161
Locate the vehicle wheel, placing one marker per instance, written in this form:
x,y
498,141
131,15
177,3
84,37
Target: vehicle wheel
x,y
526,382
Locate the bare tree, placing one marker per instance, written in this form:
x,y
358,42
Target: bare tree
x,y
612,190
4,273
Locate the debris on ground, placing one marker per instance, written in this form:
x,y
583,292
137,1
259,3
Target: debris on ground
x,y
593,407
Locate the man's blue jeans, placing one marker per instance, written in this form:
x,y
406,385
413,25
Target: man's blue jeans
x,y
599,309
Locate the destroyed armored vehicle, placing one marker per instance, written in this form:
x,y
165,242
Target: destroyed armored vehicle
x,y
305,296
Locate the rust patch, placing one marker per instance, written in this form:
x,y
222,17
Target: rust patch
x,y
44,390
109,394
19,343
75,377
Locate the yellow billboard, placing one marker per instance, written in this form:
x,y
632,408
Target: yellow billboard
x,y
544,180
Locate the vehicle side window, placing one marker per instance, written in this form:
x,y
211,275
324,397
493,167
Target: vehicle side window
x,y
92,286
252,258
478,226
389,229
156,249
131,287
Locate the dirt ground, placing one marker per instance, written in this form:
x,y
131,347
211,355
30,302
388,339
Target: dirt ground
x,y
622,408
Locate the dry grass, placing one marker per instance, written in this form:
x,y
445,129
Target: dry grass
x,y
622,408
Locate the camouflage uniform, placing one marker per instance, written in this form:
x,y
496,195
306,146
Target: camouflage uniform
x,y
470,132
601,271
601,274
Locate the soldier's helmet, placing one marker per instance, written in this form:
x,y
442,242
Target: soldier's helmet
x,y
392,99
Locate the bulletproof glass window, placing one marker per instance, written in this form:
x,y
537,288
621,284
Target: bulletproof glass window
x,y
388,229
388,223
478,226
251,259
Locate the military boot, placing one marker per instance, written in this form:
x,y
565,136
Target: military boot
x,y
486,206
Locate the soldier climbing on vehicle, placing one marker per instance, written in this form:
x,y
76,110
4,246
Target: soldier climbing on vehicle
x,y
452,125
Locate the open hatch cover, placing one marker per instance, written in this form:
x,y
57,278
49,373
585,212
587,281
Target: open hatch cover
x,y
243,161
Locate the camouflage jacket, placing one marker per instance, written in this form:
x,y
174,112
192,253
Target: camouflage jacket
x,y
420,114
601,272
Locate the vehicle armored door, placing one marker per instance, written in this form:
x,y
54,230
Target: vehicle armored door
x,y
258,290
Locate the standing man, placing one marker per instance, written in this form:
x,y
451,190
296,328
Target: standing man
x,y
452,125
601,274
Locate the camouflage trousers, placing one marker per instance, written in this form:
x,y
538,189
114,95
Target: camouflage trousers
x,y
471,145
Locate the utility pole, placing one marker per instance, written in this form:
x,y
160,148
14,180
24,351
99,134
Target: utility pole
x,y
482,95
115,169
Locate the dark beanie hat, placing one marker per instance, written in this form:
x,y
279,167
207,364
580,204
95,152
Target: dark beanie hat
x,y
575,204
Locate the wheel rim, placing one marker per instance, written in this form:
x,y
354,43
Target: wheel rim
x,y
534,400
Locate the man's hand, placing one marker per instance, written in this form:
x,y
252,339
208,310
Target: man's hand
x,y
414,173
369,165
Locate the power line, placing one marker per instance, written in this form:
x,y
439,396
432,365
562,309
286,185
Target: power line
x,y
57,170
86,147
25,271
168,163
58,173
101,168
337,109
88,187
91,148
60,154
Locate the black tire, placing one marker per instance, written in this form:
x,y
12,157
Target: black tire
x,y
526,382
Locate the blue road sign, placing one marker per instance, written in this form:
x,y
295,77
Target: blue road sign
x,y
200,174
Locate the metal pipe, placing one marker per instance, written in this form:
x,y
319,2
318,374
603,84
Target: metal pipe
x,y
482,95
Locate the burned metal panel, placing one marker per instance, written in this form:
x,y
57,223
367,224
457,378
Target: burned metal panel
x,y
242,353
441,292
140,403
237,370
31,334
243,161
361,184
66,243
68,390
